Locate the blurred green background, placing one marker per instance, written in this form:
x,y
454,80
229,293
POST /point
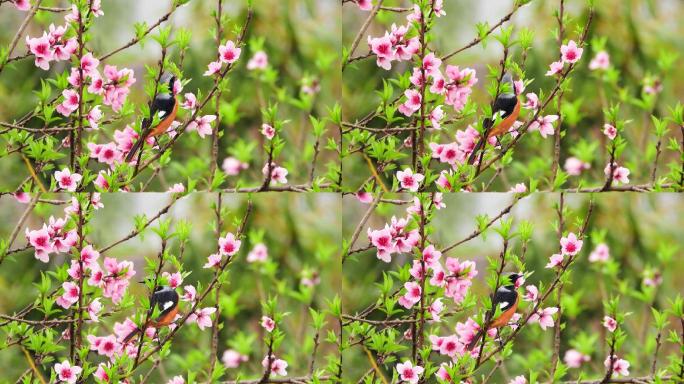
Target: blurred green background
x,y
301,38
643,39
643,233
302,233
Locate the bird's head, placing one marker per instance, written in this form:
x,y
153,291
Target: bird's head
x,y
168,79
513,279
508,79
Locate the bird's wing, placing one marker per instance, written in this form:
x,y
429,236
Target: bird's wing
x,y
162,105
504,298
165,299
505,104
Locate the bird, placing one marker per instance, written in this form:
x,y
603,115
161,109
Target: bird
x,y
166,299
165,106
506,298
508,105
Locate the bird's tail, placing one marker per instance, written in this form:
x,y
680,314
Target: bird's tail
x,y
476,340
487,124
476,151
131,335
136,147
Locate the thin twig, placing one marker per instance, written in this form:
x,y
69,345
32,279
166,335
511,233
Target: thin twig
x,y
359,227
20,31
364,27
478,231
136,39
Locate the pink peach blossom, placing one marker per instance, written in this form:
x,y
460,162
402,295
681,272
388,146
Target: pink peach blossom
x,y
555,68
544,317
571,53
202,125
570,245
544,125
258,254
258,61
600,61
67,373
267,323
232,166
66,180
610,323
409,180
409,373
229,53
213,68
574,359
574,166
610,131
233,359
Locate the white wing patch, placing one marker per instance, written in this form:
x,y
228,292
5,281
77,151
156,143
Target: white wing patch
x,y
168,305
504,304
161,114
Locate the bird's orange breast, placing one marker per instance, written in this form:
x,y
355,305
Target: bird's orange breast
x,y
505,316
165,123
166,318
506,123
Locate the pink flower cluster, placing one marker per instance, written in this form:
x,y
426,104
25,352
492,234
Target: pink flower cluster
x,y
409,180
278,366
620,366
114,88
600,254
456,87
574,166
52,238
456,279
228,245
227,53
232,166
544,124
543,317
113,346
114,279
455,345
457,152
67,373
67,180
278,173
600,61
574,358
268,324
233,359
113,153
570,246
393,239
393,46
409,373
51,47
202,125
95,10
258,62
570,54
202,317
620,174
258,254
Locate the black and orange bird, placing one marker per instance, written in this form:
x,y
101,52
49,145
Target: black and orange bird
x,y
166,300
506,298
507,105
164,106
